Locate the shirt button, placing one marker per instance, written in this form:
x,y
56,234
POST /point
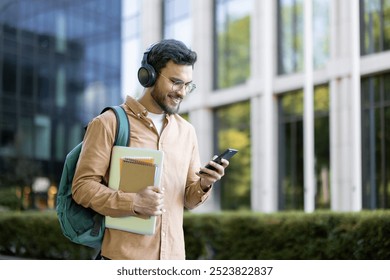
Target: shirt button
x,y
150,125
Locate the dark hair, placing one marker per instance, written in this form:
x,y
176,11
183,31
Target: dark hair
x,y
169,49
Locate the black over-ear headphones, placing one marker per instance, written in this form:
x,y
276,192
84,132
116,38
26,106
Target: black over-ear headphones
x,y
146,73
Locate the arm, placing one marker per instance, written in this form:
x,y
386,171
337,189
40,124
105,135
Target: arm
x,y
90,182
199,185
89,185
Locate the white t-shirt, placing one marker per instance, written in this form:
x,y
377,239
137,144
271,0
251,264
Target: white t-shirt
x,y
158,120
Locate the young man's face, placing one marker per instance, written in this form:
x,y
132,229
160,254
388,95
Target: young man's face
x,y
166,99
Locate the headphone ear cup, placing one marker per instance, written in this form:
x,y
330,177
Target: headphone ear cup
x,y
147,75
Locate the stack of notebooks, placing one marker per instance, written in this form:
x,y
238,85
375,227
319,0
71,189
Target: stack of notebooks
x,y
131,170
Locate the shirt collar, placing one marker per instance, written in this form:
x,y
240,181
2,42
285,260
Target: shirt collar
x,y
137,108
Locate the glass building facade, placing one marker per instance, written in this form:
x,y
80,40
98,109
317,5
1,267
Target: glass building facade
x,y
375,106
308,108
272,87
59,67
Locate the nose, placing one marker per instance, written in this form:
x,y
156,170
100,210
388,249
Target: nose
x,y
182,92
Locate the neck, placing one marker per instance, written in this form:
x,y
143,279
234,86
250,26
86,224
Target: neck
x,y
148,102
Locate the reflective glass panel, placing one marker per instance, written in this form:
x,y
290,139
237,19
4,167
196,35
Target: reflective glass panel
x,y
375,142
375,26
232,42
291,149
232,130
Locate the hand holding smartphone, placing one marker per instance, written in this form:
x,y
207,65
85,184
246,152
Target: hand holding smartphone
x,y
227,154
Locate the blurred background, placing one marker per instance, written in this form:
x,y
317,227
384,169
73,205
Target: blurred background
x,y
300,87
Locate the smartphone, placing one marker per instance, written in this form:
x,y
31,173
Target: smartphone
x,y
227,154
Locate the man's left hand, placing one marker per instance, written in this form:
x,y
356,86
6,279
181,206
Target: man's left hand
x,y
209,177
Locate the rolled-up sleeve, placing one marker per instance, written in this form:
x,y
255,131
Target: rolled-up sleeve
x,y
194,194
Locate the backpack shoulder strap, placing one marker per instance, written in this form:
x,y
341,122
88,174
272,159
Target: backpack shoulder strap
x,y
122,135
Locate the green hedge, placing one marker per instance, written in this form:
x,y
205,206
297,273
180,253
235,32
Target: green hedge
x,y
235,235
37,235
9,199
289,236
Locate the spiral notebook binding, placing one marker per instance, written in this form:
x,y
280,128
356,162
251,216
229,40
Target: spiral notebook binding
x,y
139,161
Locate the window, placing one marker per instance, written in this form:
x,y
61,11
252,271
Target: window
x,y
42,136
290,36
27,75
9,74
232,42
8,133
321,146
375,26
321,33
177,20
291,149
26,132
232,131
131,50
60,141
376,141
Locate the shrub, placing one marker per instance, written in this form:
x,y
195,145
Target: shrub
x,y
288,236
37,235
8,199
224,236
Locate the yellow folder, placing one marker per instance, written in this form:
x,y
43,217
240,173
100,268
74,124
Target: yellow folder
x,y
131,170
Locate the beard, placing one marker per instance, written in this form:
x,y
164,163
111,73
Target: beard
x,y
169,103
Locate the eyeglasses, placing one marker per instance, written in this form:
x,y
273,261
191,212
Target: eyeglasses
x,y
178,85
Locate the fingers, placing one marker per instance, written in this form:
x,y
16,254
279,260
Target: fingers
x,y
219,169
225,163
155,205
149,201
209,176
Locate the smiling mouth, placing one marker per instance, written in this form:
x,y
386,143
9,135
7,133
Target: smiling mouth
x,y
176,99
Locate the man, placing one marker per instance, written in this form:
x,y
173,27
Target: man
x,y
166,74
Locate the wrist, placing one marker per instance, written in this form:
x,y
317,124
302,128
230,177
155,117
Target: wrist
x,y
205,188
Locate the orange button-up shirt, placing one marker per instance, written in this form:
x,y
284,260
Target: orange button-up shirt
x,y
178,141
